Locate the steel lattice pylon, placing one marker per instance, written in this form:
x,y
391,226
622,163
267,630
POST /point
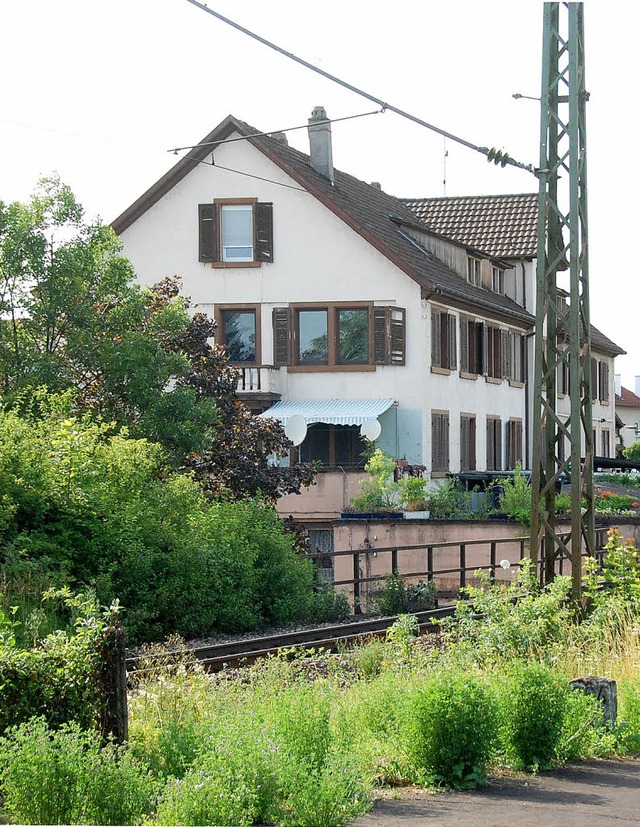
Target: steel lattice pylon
x,y
562,338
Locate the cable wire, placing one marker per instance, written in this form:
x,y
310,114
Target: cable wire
x,y
491,154
271,132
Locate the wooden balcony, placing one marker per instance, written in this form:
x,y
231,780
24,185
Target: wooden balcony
x,y
258,387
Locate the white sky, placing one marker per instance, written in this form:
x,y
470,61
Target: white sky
x,y
98,91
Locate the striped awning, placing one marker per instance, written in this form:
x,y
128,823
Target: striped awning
x,y
331,411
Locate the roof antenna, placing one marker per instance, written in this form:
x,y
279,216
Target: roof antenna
x,y
444,167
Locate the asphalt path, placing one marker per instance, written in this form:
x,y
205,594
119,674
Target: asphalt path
x,y
590,794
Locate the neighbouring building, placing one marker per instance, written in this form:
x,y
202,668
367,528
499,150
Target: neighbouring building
x,y
628,412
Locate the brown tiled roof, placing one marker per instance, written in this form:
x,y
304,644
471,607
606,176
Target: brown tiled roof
x,y
504,226
376,216
627,399
603,344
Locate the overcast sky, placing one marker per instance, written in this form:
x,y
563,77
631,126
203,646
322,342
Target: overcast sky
x,y
99,91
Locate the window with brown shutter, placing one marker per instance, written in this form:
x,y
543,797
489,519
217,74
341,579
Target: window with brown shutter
x,y
467,442
439,442
603,382
443,340
235,232
594,379
514,445
339,336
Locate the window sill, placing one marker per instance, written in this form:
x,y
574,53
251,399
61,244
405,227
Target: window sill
x,y
439,475
605,403
514,384
492,380
330,368
440,371
234,265
465,375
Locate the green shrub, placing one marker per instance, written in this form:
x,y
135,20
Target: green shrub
x,y
397,597
628,729
69,777
330,796
583,735
532,717
60,677
218,792
515,497
518,620
452,730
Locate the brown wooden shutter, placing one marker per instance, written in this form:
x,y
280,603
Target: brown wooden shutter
x,y
505,354
464,345
380,335
436,338
594,379
439,442
389,335
281,336
264,232
452,361
483,360
207,233
604,382
397,335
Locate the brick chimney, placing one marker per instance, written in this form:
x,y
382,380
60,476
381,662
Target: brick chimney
x,y
320,152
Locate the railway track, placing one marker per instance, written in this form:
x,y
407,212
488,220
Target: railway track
x,y
244,652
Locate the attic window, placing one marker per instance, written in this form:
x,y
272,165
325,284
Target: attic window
x,y
235,232
497,280
473,271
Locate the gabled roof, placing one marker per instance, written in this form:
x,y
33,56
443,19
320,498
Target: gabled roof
x,y
627,399
372,213
603,344
502,225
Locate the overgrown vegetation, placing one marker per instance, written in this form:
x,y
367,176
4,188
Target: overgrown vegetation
x,y
305,741
83,503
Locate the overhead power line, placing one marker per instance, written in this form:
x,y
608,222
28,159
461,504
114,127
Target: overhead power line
x,y
492,154
272,132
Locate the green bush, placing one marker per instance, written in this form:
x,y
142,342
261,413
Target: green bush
x,y
397,597
452,730
60,677
628,730
69,777
583,734
533,710
80,503
518,620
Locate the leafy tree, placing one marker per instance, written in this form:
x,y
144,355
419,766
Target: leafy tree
x,y
71,316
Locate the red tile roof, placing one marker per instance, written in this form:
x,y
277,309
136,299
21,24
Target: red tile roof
x,y
627,399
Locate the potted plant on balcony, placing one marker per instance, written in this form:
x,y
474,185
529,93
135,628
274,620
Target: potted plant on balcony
x,y
379,495
413,498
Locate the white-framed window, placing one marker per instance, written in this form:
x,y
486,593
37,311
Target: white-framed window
x,y
473,271
497,280
236,232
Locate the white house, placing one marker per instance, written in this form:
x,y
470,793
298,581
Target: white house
x,y
628,411
343,304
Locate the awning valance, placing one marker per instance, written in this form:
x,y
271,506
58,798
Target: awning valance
x,y
330,411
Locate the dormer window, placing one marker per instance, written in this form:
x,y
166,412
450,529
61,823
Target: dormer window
x,y
497,280
473,271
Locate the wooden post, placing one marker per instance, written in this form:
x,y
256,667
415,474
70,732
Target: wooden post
x,y
114,719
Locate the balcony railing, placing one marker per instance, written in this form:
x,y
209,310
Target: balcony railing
x,y
259,379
